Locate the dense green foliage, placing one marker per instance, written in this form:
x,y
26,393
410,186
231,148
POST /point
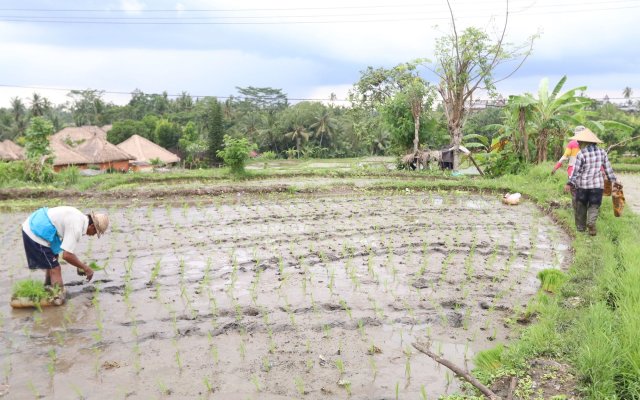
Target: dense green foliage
x,y
38,165
235,153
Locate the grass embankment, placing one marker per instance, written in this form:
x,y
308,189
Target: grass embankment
x,y
629,168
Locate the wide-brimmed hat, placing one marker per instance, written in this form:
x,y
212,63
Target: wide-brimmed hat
x,y
583,134
101,222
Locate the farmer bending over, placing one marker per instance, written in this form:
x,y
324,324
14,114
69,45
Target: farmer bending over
x,y
588,179
50,231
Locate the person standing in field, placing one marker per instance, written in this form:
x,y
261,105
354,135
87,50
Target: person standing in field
x,y
50,231
570,153
592,163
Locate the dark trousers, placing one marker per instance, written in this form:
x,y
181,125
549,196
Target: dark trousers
x,y
587,207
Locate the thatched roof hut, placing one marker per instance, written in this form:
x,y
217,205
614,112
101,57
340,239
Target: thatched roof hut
x,y
144,150
9,151
99,151
76,135
64,155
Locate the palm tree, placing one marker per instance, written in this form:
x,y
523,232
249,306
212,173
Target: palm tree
x,y
551,114
627,92
37,105
298,133
19,114
325,126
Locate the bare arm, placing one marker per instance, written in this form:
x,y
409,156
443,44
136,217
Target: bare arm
x,y
75,261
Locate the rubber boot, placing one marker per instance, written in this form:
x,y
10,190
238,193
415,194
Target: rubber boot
x,y
592,217
581,216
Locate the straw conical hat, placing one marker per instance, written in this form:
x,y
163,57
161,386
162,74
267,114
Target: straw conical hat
x,y
585,135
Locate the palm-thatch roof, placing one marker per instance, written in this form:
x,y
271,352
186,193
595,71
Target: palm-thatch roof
x,y
76,135
10,151
144,150
98,150
65,155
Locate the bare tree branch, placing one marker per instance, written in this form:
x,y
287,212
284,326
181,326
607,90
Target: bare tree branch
x,y
457,370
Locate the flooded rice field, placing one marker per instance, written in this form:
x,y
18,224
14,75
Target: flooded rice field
x,y
278,297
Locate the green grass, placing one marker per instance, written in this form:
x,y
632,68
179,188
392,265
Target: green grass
x,y
632,168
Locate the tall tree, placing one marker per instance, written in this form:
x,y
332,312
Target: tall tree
x,y
402,84
324,127
627,92
87,106
465,63
19,114
214,129
39,105
262,98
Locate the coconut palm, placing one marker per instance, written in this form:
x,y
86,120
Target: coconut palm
x,y
298,134
324,127
627,92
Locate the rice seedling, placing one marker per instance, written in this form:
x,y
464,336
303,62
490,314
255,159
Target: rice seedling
x,y
345,307
299,383
256,383
164,390
340,365
207,385
397,390
242,349
266,364
51,364
177,357
34,390
77,391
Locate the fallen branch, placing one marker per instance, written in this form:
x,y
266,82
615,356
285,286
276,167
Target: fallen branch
x,y
458,371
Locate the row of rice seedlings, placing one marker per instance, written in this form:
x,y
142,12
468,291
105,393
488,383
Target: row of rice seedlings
x,y
98,335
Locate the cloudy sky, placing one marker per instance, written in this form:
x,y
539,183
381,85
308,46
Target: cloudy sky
x,y
309,49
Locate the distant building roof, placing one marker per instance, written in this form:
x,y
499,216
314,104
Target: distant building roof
x,y
75,135
143,149
65,155
10,151
98,150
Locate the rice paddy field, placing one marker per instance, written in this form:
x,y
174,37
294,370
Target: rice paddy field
x,y
278,296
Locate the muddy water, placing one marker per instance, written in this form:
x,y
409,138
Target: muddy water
x,y
278,297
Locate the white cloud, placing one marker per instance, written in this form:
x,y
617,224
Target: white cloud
x,y
132,6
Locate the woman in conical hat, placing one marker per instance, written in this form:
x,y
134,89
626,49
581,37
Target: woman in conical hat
x,y
588,179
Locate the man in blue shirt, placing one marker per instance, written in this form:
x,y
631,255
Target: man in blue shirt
x,y
50,231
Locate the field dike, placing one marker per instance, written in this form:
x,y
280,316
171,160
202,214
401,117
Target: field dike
x,y
280,296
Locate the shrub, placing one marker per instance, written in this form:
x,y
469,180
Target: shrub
x,y
267,155
11,171
69,176
235,153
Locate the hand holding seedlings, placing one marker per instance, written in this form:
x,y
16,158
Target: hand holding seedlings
x,y
48,232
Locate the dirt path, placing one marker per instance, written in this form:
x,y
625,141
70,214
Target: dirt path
x,y
631,184
280,296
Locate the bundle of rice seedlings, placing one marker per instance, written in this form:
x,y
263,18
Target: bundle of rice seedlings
x,y
551,279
